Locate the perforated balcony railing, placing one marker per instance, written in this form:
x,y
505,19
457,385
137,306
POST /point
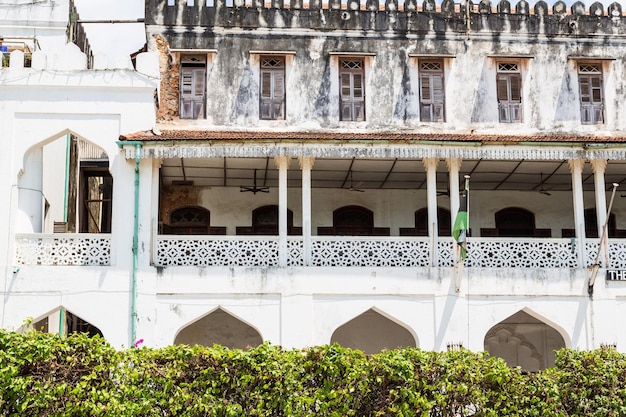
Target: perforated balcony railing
x,y
63,249
357,251
326,251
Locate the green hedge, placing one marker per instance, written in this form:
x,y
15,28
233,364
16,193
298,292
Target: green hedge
x,y
44,375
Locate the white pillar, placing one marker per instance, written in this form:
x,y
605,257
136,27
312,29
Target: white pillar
x,y
306,164
599,167
576,169
454,166
31,199
430,164
282,162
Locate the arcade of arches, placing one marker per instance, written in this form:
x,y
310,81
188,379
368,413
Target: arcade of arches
x,y
521,339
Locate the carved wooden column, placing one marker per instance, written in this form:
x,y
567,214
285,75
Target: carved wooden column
x,y
576,169
454,167
430,164
282,162
306,164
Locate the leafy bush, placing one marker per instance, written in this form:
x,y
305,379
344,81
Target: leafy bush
x,y
44,375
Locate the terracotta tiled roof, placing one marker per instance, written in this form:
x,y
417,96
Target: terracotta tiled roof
x,y
398,137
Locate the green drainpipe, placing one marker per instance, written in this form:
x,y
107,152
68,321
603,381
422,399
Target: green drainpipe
x,y
133,285
133,288
61,322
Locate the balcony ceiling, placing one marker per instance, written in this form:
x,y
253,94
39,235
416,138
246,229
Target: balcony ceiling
x,y
370,174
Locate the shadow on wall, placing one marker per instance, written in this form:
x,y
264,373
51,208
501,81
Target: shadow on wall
x,y
371,332
222,328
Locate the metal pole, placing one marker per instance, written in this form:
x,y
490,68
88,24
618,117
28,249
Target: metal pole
x,y
596,266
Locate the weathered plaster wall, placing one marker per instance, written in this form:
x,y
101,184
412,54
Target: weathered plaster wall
x,y
545,39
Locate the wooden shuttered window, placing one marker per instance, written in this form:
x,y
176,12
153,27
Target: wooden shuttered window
x,y
352,90
272,100
509,91
591,94
192,92
431,91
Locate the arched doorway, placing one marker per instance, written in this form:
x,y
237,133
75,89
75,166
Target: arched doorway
x,y
372,332
222,328
525,341
66,186
62,321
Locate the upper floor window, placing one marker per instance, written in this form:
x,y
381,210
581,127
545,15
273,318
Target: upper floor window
x,y
509,91
431,91
272,97
192,87
591,94
352,90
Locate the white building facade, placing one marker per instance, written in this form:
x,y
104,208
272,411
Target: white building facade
x,y
300,177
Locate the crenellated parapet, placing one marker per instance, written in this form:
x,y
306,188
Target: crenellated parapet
x,y
399,17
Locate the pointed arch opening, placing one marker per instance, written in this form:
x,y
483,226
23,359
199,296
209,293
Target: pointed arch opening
x,y
222,328
371,332
525,341
65,186
63,322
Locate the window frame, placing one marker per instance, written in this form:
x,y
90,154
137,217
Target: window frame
x,y
509,95
354,105
88,223
431,109
276,106
192,100
591,112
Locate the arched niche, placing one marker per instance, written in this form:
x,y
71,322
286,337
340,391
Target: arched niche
x,y
421,223
371,332
515,222
65,186
191,220
265,222
62,321
525,341
222,328
353,221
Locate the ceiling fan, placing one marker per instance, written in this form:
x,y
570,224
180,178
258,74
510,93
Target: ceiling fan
x,y
541,190
352,187
254,188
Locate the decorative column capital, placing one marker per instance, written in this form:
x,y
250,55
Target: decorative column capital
x,y
430,163
575,164
280,160
306,159
598,165
454,163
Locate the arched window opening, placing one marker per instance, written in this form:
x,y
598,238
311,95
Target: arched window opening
x,y
219,327
62,321
371,332
515,222
524,341
265,222
191,220
66,187
353,221
421,223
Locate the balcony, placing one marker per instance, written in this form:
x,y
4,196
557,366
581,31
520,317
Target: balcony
x,y
356,251
331,251
63,249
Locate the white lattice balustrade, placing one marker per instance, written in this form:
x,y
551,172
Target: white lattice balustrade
x,y
216,251
378,251
370,251
520,253
63,249
617,253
